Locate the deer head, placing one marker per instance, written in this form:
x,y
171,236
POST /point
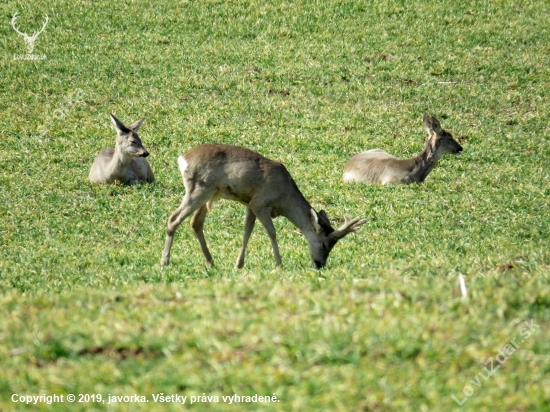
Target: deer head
x,y
29,40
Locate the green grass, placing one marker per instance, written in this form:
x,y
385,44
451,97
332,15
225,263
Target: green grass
x,y
87,307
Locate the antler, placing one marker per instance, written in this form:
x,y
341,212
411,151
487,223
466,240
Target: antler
x,y
35,35
15,17
350,225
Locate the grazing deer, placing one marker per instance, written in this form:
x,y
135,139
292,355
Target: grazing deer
x,y
378,166
126,162
29,40
264,186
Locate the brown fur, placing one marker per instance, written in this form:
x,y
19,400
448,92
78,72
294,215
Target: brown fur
x,y
126,162
378,166
264,186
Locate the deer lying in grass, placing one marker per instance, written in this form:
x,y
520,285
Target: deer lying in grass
x,y
264,186
125,163
378,166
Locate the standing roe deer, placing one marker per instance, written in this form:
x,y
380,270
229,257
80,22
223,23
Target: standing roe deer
x,y
264,186
125,163
378,166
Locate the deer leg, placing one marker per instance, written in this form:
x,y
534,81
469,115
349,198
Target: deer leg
x,y
264,216
249,221
189,204
197,223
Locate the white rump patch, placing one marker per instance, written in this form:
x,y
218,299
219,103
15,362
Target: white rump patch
x,y
350,176
182,164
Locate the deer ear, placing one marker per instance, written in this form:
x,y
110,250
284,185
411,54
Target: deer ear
x,y
431,124
135,126
315,221
119,127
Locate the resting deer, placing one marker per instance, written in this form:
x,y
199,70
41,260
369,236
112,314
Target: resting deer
x,y
378,166
264,186
125,163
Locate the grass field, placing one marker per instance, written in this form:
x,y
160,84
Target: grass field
x,y
88,308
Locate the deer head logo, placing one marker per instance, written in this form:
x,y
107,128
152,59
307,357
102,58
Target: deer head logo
x,y
29,40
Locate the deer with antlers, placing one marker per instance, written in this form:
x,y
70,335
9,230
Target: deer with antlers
x,y
264,186
29,40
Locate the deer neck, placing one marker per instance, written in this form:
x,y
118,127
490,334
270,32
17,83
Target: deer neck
x,y
425,162
119,164
298,210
